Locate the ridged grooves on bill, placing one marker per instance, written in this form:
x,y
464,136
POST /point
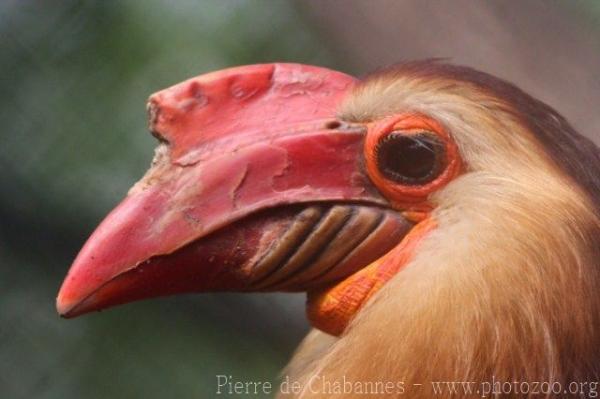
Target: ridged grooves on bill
x,y
326,243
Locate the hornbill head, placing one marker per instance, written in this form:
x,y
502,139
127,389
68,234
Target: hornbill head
x,y
421,193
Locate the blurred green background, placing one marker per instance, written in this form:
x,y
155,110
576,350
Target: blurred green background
x,y
74,80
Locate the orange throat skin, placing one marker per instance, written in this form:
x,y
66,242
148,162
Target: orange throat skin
x,y
332,309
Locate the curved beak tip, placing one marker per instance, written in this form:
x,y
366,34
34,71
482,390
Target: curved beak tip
x,y
76,297
65,306
71,308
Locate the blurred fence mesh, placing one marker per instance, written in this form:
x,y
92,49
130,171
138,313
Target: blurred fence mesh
x,y
74,80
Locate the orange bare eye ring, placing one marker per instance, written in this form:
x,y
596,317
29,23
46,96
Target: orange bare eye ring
x,y
411,196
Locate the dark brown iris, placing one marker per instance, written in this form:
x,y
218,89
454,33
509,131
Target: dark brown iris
x,y
410,159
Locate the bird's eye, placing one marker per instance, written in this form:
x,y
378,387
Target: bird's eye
x,y
409,156
410,159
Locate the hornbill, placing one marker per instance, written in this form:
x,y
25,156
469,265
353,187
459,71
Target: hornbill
x,y
444,224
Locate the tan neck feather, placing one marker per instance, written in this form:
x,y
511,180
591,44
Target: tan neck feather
x,y
506,288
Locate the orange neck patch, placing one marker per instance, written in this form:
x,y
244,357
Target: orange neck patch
x,y
332,309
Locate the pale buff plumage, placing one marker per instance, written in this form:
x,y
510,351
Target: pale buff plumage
x,y
505,288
